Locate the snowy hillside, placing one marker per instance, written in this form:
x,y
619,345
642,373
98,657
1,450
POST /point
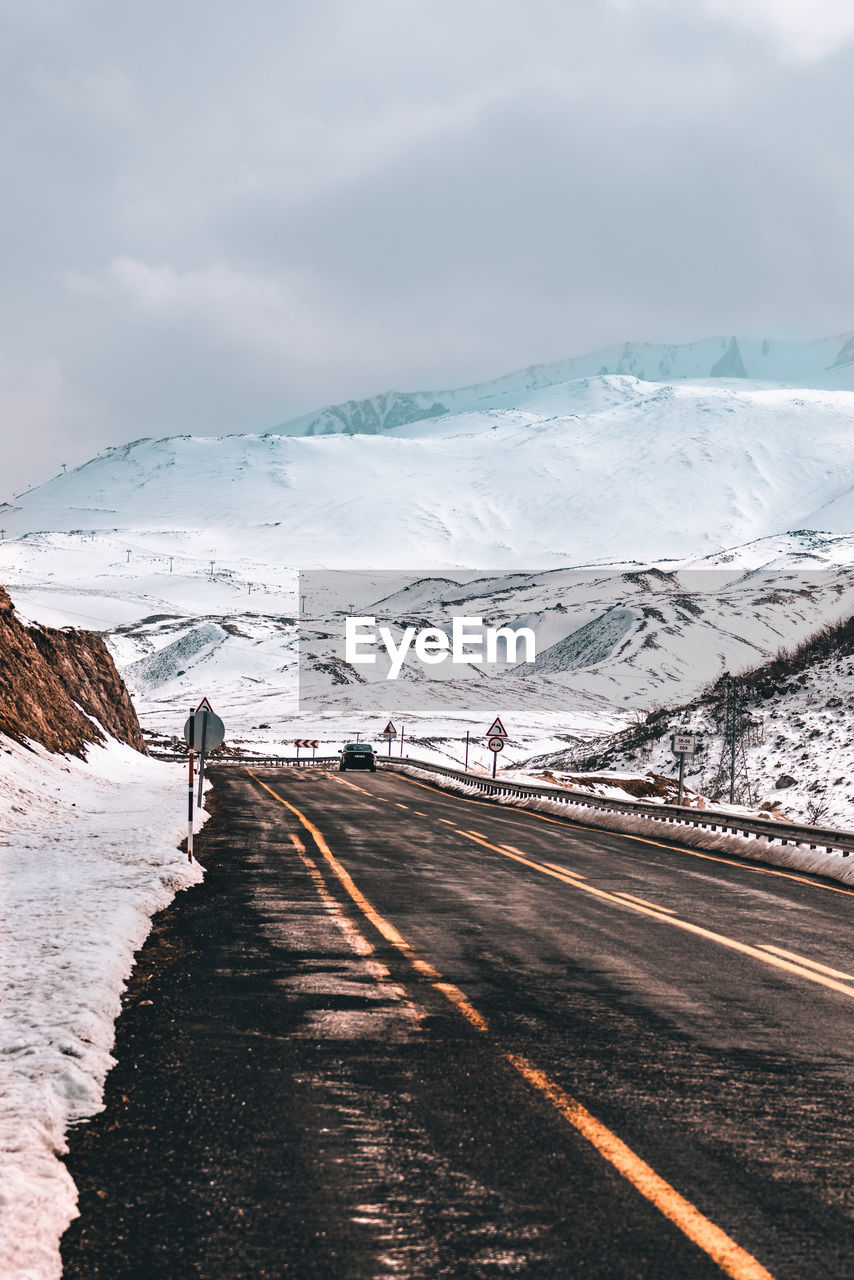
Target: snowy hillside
x,y
185,550
827,363
584,472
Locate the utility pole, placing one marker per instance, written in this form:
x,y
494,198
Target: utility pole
x,y
732,729
732,766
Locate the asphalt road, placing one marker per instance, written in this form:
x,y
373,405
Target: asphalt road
x,y
403,1033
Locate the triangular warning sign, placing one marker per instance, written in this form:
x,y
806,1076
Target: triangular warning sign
x,y
204,705
497,729
390,730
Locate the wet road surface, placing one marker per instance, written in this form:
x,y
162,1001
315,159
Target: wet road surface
x,y
398,1032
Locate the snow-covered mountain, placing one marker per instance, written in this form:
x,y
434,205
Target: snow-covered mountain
x,y
593,470
185,550
824,364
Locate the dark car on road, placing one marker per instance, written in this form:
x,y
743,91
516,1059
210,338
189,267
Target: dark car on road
x,y
358,755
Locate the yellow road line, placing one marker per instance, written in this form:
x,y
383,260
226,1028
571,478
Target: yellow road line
x,y
813,964
555,866
730,1257
573,823
660,913
351,785
378,971
721,1248
419,813
387,929
401,806
643,901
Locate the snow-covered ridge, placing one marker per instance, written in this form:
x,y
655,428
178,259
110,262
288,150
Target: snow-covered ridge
x,y
587,471
825,363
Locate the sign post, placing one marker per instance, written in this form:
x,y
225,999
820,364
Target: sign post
x,y
388,733
682,745
202,749
496,735
191,738
205,727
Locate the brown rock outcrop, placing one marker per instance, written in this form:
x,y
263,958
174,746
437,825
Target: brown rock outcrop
x,y
52,681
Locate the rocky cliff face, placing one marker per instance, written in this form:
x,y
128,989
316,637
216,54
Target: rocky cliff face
x,y
52,681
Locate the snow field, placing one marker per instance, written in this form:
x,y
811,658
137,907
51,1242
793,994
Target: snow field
x,y
87,856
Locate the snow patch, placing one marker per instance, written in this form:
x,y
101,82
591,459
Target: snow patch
x,y
87,856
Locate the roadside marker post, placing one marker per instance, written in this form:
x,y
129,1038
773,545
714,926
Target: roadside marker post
x,y
467,750
190,742
202,748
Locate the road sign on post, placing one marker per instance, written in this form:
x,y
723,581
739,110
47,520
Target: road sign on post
x,y
496,735
389,732
215,735
682,745
205,730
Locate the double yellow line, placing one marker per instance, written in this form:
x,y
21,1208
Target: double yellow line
x,y
776,957
721,1248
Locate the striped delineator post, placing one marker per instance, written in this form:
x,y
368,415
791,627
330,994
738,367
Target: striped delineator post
x,y
205,714
191,743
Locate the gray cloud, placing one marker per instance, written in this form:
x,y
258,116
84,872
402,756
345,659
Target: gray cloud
x,y
218,216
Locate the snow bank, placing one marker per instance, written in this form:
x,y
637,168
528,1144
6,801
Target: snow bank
x,y
831,865
87,855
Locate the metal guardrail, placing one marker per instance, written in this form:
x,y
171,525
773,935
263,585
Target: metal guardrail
x,y
680,815
271,761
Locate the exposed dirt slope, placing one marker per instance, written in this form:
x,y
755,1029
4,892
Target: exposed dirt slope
x,y
49,679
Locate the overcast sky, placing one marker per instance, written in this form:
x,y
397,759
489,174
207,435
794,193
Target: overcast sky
x,y
218,215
